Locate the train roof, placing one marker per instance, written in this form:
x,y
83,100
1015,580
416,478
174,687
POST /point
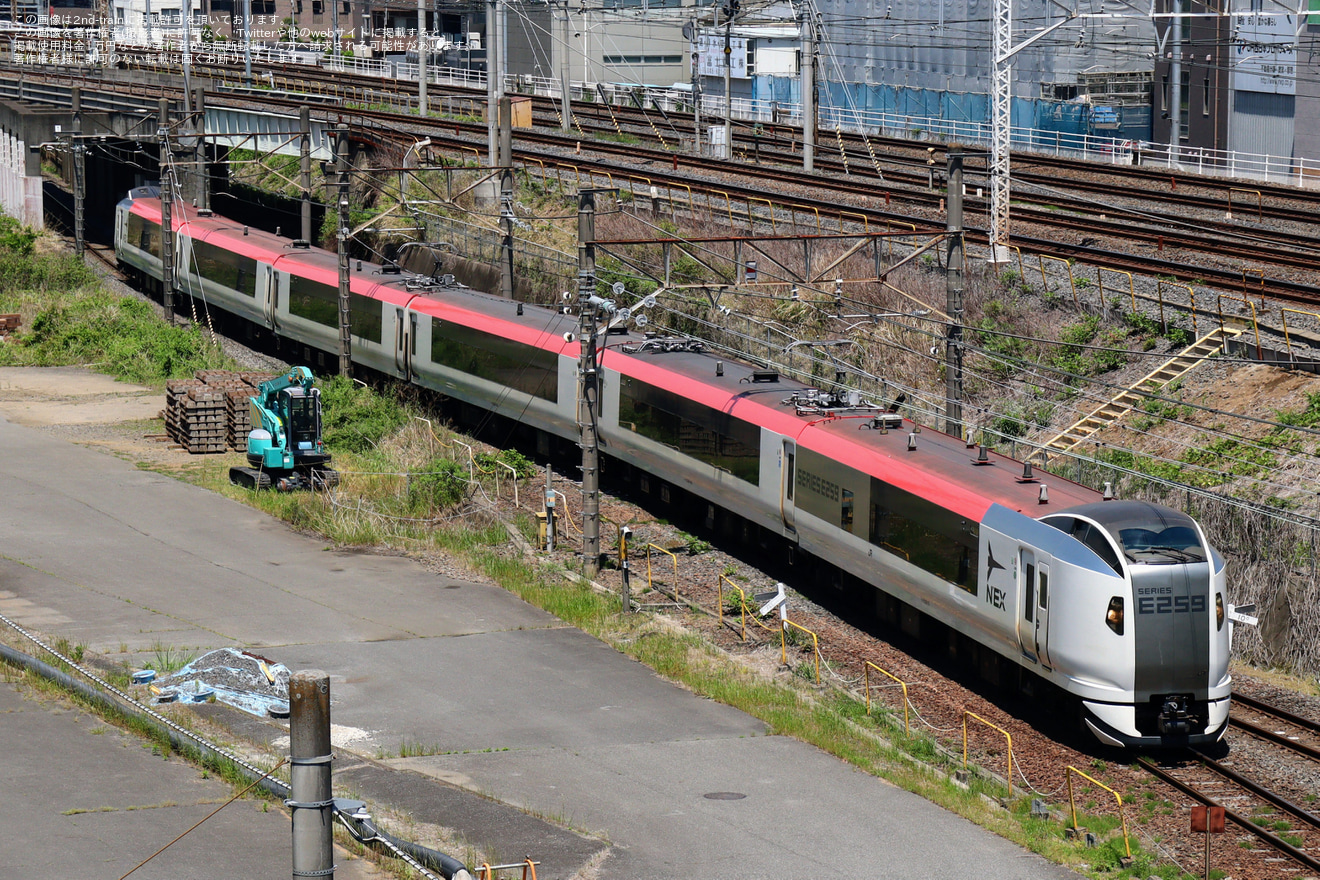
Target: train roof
x,y
941,469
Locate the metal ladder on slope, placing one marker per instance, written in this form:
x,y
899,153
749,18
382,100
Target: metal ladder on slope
x,y
1125,401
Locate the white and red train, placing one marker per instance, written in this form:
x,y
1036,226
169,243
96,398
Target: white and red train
x,y
1120,604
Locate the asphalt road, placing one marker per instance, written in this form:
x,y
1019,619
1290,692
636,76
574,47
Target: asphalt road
x,y
506,700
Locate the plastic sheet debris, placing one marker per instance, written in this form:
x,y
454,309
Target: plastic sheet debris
x,y
232,676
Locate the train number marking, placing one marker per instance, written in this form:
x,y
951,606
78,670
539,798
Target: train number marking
x,y
995,596
1170,604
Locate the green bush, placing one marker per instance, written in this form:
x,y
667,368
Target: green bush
x,y
442,485
356,418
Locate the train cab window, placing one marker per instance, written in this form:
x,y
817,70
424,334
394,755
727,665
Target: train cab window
x,y
1177,543
1096,540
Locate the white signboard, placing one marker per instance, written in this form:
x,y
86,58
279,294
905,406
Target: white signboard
x,y
1264,54
710,55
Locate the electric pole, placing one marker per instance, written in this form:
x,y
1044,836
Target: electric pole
x,y
422,53
696,90
494,82
953,365
79,175
808,91
563,73
166,203
1001,122
587,388
728,77
506,196
305,172
345,306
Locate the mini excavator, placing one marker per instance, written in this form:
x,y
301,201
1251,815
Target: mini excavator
x,y
285,452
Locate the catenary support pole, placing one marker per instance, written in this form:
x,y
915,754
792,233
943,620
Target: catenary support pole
x,y
423,51
201,166
587,386
345,304
564,82
728,83
79,176
309,752
305,172
494,79
954,298
808,90
506,196
166,220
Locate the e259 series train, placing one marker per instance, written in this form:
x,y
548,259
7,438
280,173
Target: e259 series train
x,y
1120,604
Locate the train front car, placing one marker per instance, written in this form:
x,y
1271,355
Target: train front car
x,y
1163,640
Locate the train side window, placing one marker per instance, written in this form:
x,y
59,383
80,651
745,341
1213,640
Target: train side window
x,y
1044,590
792,472
1029,606
846,510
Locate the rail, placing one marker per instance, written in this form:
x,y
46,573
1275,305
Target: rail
x,y
866,671
967,713
783,644
1072,803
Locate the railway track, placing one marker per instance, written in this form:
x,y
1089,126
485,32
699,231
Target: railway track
x,y
1255,809
1285,267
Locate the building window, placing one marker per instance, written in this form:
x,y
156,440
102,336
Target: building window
x,y
1205,102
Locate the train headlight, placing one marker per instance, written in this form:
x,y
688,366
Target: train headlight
x,y
1219,611
1114,616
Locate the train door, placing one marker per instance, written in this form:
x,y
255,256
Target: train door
x,y
405,332
1043,610
788,476
1027,602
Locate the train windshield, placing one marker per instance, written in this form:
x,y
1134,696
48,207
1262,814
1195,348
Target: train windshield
x,y
1147,534
1165,546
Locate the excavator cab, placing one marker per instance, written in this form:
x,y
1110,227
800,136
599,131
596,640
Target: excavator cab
x,y
284,448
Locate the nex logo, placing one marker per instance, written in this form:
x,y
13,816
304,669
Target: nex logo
x,y
993,595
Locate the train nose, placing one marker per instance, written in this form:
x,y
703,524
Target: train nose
x,y
1174,719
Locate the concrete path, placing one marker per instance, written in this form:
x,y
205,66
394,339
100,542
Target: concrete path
x,y
507,701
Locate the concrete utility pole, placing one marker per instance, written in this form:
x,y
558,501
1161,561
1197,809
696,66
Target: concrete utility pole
x,y
494,79
305,172
728,80
166,203
345,304
186,14
422,53
334,30
954,298
506,196
247,42
1175,84
201,167
587,387
310,754
563,73
696,90
808,91
79,175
